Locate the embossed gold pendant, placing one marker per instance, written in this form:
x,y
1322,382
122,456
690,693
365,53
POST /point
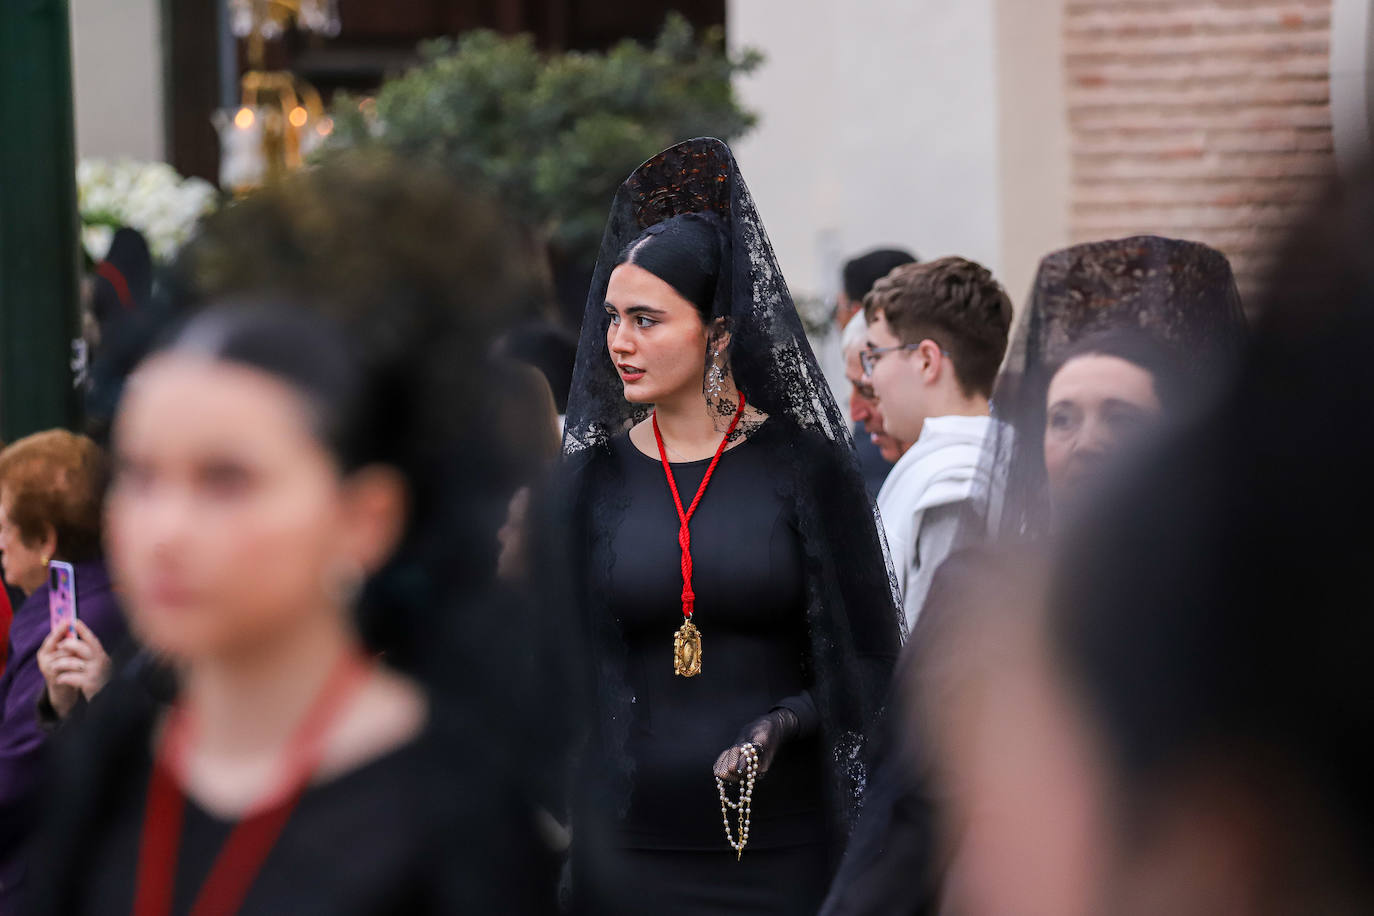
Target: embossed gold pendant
x,y
687,650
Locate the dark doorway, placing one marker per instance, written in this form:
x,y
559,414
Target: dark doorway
x,y
377,38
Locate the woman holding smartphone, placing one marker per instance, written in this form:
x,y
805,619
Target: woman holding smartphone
x,y
296,518
50,490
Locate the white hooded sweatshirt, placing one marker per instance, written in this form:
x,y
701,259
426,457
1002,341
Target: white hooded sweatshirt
x,y
923,500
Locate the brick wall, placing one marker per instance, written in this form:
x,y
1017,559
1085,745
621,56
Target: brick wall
x,y
1200,119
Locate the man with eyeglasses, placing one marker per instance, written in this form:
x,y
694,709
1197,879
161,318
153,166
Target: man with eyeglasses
x,y
936,334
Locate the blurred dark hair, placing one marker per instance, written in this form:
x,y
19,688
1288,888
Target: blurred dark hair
x,y
685,252
312,355
956,303
860,273
1214,613
1140,349
375,288
549,348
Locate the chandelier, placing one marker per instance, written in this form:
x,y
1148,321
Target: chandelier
x,y
280,118
268,20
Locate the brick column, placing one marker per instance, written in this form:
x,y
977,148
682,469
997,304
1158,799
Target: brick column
x,y
1208,121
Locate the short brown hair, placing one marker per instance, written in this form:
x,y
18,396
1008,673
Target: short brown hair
x,y
956,303
56,478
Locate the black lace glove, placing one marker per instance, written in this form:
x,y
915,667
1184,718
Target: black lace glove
x,y
767,734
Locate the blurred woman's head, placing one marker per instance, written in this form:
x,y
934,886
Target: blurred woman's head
x,y
51,485
243,502
1110,392
322,420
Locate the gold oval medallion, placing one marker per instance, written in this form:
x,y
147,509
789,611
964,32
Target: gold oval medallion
x,y
687,650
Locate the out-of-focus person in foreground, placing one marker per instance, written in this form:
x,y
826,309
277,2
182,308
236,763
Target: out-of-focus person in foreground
x,y
307,482
1182,727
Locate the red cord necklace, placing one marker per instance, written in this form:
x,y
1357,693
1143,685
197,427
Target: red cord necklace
x,y
244,851
687,640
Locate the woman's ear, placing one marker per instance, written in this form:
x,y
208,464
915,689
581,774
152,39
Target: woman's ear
x,y
376,503
720,334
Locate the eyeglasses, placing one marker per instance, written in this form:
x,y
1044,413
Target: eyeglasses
x,y
869,357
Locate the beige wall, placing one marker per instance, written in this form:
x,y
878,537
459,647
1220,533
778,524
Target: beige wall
x,y
879,127
117,75
1033,138
1352,81
933,125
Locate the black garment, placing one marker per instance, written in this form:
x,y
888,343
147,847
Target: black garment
x,y
416,830
669,849
747,574
892,864
781,881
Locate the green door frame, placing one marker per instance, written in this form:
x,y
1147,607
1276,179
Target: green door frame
x,y
39,254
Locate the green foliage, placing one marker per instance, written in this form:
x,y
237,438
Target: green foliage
x,y
553,135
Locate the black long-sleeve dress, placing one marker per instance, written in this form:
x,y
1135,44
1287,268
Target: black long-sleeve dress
x,y
795,598
669,852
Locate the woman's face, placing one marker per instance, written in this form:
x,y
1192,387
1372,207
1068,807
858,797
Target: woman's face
x,y
656,338
227,520
1096,406
25,565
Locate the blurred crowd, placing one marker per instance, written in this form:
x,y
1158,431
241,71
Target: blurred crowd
x,y
389,593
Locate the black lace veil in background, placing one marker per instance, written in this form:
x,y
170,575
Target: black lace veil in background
x,y
852,615
1180,293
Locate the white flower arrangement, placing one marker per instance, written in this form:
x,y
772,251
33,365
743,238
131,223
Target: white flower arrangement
x,y
148,196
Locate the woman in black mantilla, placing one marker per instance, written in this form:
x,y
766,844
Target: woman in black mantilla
x,y
766,631
1173,296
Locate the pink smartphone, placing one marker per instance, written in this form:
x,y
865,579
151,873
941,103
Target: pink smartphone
x,y
61,594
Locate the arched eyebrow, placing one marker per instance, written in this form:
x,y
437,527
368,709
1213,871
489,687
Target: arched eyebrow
x,y
639,310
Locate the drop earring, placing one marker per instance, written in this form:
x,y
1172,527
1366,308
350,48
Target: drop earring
x,y
715,377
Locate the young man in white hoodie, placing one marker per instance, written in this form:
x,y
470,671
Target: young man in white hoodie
x,y
937,332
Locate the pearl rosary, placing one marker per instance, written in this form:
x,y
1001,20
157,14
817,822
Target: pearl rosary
x,y
750,759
